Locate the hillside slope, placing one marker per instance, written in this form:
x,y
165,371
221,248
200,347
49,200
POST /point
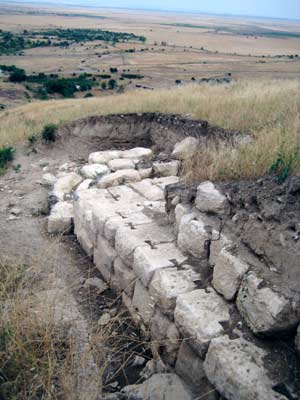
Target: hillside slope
x,y
270,110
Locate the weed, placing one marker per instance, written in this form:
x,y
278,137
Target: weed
x,y
6,155
49,133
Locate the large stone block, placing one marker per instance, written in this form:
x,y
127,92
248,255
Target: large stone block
x,y
123,278
121,163
199,316
142,303
65,185
165,181
229,271
210,200
189,366
148,235
148,259
104,257
192,235
185,148
162,169
236,368
167,284
165,338
148,190
103,157
61,217
131,220
119,177
138,153
157,211
92,171
264,310
159,387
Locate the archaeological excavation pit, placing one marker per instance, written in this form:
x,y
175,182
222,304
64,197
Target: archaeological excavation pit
x,y
208,271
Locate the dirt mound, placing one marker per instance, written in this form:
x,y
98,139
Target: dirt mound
x,y
150,129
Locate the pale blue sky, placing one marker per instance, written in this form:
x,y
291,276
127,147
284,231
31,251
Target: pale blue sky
x,y
267,8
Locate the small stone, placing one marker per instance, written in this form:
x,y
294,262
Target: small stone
x,y
104,319
16,211
97,283
138,361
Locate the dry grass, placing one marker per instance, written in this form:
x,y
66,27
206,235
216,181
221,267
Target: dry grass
x,y
268,109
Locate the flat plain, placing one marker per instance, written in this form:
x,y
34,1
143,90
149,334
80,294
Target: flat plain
x,y
179,47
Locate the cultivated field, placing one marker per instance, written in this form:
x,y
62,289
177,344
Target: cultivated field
x,y
179,47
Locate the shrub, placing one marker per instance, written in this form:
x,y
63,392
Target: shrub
x,y
49,133
6,155
87,95
112,83
18,75
103,85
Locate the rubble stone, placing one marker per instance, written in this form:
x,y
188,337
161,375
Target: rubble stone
x,y
163,169
264,310
120,163
185,148
65,185
119,177
104,157
92,171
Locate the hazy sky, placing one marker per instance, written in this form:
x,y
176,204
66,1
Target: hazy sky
x,y
268,8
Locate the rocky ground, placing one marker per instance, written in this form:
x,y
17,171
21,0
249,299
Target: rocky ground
x,y
208,272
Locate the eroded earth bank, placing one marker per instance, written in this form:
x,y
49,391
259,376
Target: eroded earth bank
x,y
206,273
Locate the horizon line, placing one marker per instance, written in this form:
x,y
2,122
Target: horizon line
x,y
146,9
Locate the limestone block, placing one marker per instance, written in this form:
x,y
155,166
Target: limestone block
x,y
148,190
65,185
165,181
167,284
85,185
180,211
210,200
159,387
236,368
165,338
189,367
119,177
149,235
131,220
148,259
143,303
104,157
138,153
61,217
185,148
145,173
123,278
192,235
229,271
162,169
104,257
264,310
199,315
48,180
93,171
120,163
157,211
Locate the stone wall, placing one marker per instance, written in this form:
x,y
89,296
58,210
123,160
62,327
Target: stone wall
x,y
187,282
